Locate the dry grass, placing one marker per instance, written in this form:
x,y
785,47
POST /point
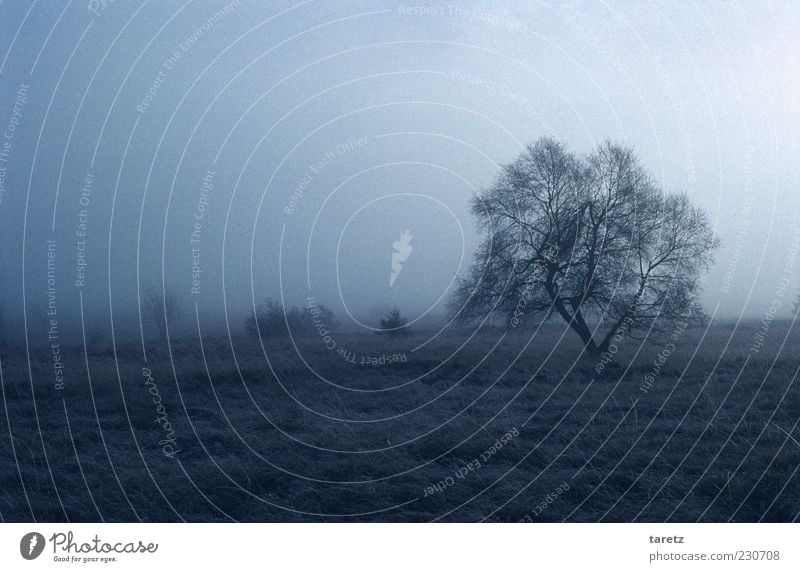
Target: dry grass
x,y
275,442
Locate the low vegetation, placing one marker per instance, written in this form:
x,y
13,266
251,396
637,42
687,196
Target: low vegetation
x,y
450,432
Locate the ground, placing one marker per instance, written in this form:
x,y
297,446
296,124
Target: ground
x,y
497,426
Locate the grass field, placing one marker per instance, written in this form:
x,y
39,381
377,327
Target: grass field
x,y
498,427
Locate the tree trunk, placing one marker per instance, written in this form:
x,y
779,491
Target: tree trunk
x,y
578,324
575,320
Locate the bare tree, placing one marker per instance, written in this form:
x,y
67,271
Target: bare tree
x,y
162,307
591,240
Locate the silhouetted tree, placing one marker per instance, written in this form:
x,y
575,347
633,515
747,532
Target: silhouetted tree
x,y
160,308
394,323
589,240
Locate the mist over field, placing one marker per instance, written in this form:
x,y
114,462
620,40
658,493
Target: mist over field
x,y
377,261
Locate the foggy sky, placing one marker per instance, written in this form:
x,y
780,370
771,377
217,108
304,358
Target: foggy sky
x,y
304,138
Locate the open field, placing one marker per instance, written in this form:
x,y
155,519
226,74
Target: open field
x,y
497,427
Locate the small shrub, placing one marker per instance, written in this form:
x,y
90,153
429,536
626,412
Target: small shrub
x,y
272,319
394,324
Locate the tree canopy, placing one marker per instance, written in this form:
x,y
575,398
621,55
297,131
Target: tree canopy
x,y
590,239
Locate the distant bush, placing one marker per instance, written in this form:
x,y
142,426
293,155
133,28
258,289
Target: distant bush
x,y
394,324
272,319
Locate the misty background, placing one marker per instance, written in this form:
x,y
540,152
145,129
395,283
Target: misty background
x,y
305,137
